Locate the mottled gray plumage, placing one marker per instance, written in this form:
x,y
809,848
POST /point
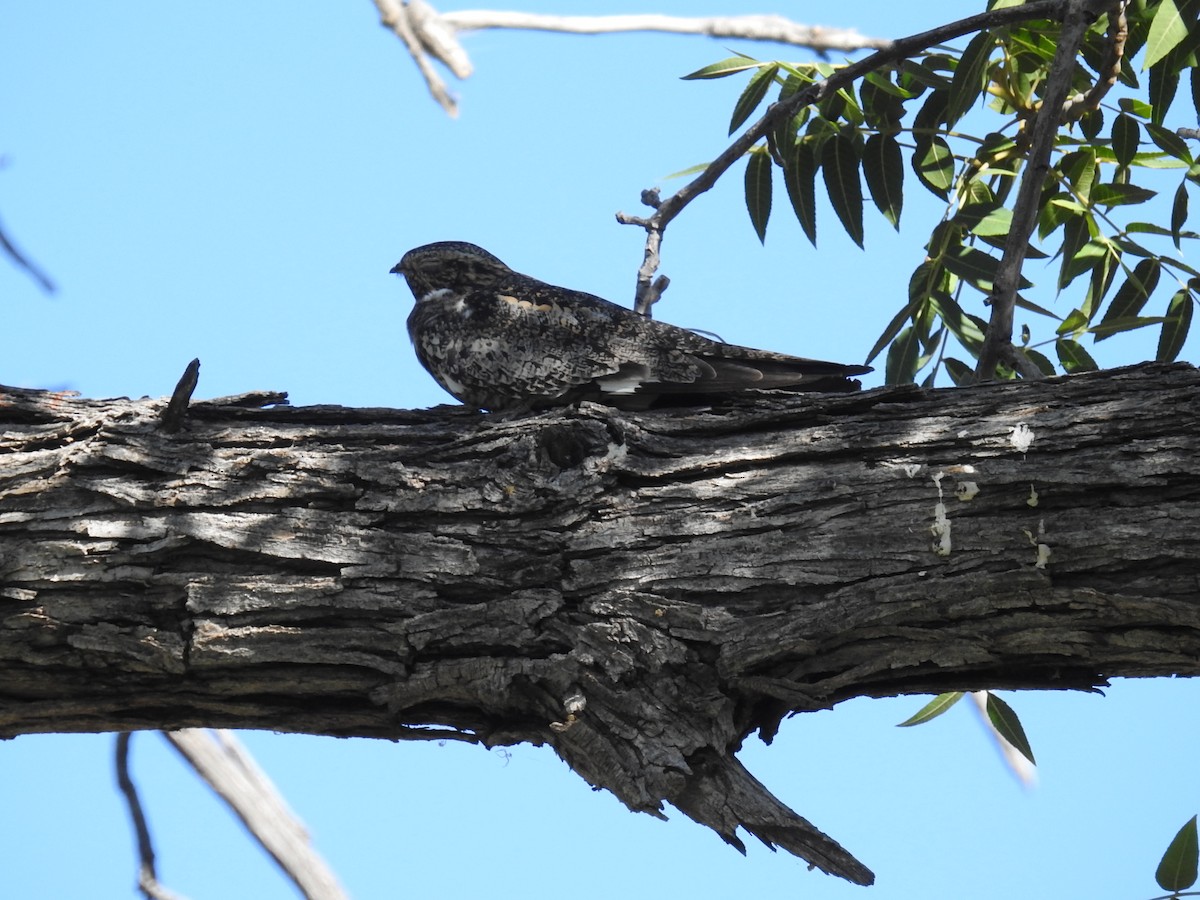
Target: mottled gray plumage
x,y
500,340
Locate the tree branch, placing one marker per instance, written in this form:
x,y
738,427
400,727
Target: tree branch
x,y
148,882
782,111
23,262
640,591
394,15
427,32
221,760
776,29
1110,68
997,344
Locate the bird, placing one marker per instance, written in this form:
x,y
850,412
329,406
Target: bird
x,y
501,341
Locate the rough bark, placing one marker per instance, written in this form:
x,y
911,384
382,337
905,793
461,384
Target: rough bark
x,y
639,591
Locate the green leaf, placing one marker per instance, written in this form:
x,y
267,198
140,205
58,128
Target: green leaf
x,y
1175,328
1034,308
1161,90
882,102
730,66
1103,274
934,164
839,164
1120,194
1058,210
1126,136
1135,107
901,365
799,175
883,168
1041,361
786,130
975,267
1169,142
986,219
1075,323
1132,295
997,152
1167,30
883,82
755,90
1107,328
920,73
1152,228
1177,870
1005,721
758,192
1153,160
1076,235
1079,168
893,327
1179,213
960,373
1086,259
690,170
1073,357
966,328
970,75
932,709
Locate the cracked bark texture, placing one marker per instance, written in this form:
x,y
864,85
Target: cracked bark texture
x,y
640,591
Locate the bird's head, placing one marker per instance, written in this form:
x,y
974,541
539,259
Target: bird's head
x,y
450,265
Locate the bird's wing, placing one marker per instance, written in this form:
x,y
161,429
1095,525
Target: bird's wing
x,y
606,349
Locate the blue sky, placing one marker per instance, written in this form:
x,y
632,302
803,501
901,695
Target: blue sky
x,y
234,181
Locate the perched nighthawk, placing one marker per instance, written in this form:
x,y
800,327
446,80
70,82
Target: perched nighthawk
x,y
500,340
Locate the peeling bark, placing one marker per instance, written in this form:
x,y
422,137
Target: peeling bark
x,y
640,591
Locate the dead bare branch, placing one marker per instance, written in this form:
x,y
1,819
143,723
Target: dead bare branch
x,y
776,29
394,15
427,32
221,760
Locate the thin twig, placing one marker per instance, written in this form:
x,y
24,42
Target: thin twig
x,y
1110,68
148,882
998,345
22,261
783,110
221,760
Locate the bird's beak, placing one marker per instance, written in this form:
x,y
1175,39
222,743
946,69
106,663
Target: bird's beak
x,y
398,268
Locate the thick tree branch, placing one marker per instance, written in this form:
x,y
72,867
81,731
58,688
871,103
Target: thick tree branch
x,y
639,591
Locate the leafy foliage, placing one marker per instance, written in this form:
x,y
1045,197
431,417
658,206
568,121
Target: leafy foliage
x,y
932,709
1177,870
1099,222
